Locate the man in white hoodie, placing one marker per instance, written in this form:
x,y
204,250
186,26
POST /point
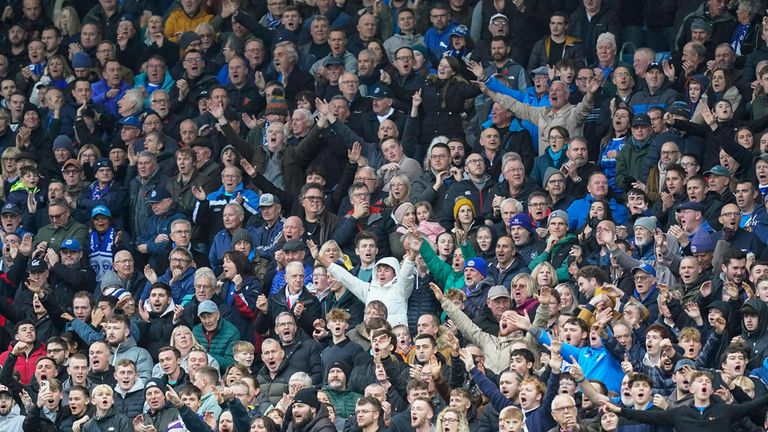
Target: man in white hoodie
x,y
10,414
392,284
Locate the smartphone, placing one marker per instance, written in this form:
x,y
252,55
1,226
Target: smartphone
x,y
45,385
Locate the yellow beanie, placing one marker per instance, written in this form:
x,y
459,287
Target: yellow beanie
x,y
462,201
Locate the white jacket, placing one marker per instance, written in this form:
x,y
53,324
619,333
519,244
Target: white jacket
x,y
394,294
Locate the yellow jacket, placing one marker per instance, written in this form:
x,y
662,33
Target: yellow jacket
x,y
179,22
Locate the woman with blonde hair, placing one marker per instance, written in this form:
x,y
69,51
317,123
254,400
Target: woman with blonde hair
x,y
451,420
399,191
10,168
184,340
331,250
57,74
522,290
68,22
544,275
87,156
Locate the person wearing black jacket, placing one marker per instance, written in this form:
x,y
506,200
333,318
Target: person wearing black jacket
x,y
703,413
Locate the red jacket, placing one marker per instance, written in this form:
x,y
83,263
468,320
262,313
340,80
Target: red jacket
x,y
25,365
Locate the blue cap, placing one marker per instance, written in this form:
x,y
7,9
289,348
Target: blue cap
x,y
100,210
702,242
134,121
460,30
478,264
522,220
71,244
645,267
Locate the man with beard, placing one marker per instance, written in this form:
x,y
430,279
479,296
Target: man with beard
x,y
342,398
742,238
422,412
308,414
123,346
160,102
506,264
179,276
672,195
156,318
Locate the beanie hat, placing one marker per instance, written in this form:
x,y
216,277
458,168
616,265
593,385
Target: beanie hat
x,y
702,242
241,234
549,173
63,142
522,220
307,396
27,108
400,211
341,365
187,38
478,264
558,214
276,105
81,60
462,201
110,280
647,222
154,382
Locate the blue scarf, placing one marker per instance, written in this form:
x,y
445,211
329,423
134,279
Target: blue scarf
x,y
272,22
101,251
98,193
557,158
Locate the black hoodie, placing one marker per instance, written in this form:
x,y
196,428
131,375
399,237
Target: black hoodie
x,y
757,340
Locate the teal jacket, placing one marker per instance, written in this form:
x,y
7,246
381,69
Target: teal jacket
x,y
219,343
443,272
558,257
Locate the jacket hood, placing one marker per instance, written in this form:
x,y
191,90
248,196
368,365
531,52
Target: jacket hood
x,y
137,386
125,346
390,261
762,318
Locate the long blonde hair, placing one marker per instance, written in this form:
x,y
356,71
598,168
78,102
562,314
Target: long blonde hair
x,y
73,26
463,424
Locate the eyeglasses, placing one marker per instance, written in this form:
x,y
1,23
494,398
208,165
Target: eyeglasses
x,y
314,199
54,350
537,204
56,216
450,420
230,176
730,214
179,260
439,156
669,153
475,161
404,58
565,408
556,138
640,278
160,101
363,411
364,179
555,181
361,195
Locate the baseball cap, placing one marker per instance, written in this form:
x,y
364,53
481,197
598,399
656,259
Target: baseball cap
x,y
37,266
268,200
101,210
207,306
641,120
10,208
497,291
645,267
158,195
71,244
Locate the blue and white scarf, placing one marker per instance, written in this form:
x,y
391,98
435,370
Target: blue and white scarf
x,y
101,251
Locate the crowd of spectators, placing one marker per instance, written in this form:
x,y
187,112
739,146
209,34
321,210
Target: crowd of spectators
x,y
383,215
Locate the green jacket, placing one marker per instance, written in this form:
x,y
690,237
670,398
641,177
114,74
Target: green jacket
x,y
441,270
343,400
629,162
558,257
55,236
222,342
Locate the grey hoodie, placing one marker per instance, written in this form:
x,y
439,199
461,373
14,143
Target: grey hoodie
x,y
13,421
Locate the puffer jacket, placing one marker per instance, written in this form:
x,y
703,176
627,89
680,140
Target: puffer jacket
x,y
319,423
394,294
364,372
25,365
37,421
422,301
155,333
272,389
304,354
219,343
139,356
113,421
131,402
477,297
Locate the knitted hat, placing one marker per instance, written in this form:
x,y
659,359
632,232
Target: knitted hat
x,y
241,234
548,174
478,264
648,222
341,365
307,396
701,24
154,382
187,38
27,108
110,280
401,210
702,242
557,214
422,49
63,142
522,220
462,201
277,105
81,60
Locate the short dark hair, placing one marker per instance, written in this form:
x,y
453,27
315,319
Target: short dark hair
x,y
590,271
428,337
733,254
640,377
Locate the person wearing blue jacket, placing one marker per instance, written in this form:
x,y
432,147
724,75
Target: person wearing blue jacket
x,y
233,217
180,276
597,187
158,229
438,37
597,362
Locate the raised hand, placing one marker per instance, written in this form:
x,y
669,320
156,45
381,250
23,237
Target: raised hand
x,y
437,291
477,69
173,397
416,98
261,303
247,167
355,153
150,274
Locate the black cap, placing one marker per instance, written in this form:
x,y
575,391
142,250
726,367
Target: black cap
x,y
307,396
690,205
158,195
104,163
38,266
641,120
10,208
201,142
380,92
293,246
334,61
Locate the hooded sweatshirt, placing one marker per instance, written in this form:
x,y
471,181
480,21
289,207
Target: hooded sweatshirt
x,y
757,340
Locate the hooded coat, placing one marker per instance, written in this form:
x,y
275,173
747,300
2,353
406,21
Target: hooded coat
x,y
394,293
139,356
131,402
757,340
113,420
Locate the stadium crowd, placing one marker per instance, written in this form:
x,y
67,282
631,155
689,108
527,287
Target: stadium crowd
x,y
383,215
